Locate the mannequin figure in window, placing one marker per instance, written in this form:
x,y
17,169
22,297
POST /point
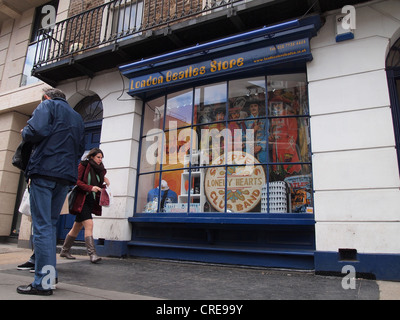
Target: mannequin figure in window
x,y
167,195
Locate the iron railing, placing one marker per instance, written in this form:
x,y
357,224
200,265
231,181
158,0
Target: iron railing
x,y
115,21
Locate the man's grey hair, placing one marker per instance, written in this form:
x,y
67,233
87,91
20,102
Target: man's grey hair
x,y
53,93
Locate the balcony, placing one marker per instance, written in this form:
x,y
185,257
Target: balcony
x,y
123,31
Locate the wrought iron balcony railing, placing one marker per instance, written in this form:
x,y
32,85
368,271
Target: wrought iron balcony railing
x,y
116,21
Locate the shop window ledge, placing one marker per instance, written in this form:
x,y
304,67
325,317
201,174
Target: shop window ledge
x,y
216,248
228,218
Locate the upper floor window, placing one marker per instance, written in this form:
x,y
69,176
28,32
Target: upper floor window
x,y
27,78
127,17
90,108
122,19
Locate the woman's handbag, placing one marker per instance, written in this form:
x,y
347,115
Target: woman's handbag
x,y
22,155
105,197
25,206
71,199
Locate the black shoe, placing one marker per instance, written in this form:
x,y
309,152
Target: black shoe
x,y
31,290
27,266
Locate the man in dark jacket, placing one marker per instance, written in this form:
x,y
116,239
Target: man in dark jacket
x,y
57,132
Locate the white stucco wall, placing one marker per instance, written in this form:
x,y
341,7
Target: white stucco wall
x,y
356,177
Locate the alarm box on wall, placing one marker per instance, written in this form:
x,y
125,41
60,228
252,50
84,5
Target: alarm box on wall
x,y
345,24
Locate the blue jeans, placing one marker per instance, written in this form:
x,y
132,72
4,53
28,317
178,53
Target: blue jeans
x,y
47,198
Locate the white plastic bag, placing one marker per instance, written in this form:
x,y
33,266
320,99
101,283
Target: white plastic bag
x,y
25,206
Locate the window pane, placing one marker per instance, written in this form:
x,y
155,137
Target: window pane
x,y
245,184
27,78
170,189
90,108
237,134
168,149
289,143
242,92
191,190
149,193
153,115
145,198
210,102
127,18
177,147
215,189
243,192
179,109
303,140
284,134
153,152
257,129
214,138
298,190
287,95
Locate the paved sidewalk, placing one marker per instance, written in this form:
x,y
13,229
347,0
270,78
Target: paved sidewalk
x,y
11,278
151,279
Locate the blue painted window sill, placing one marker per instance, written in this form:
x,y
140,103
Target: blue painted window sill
x,y
226,218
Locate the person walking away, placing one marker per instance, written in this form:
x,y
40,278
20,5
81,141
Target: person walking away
x,y
57,132
91,179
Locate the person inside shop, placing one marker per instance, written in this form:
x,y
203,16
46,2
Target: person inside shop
x,y
167,196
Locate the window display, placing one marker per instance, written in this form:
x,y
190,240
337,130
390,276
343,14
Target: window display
x,y
232,147
259,128
153,196
236,188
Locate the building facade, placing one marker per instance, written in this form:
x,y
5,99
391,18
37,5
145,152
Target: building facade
x,y
272,127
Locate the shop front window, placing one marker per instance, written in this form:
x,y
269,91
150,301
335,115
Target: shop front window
x,y
240,146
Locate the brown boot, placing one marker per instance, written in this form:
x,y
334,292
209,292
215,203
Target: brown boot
x,y
94,258
66,247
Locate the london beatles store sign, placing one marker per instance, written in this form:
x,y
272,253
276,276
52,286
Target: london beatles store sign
x,y
259,57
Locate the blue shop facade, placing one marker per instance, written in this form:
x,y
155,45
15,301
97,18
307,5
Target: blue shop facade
x,y
275,147
225,170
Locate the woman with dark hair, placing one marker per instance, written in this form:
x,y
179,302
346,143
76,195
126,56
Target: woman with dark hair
x,y
91,177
